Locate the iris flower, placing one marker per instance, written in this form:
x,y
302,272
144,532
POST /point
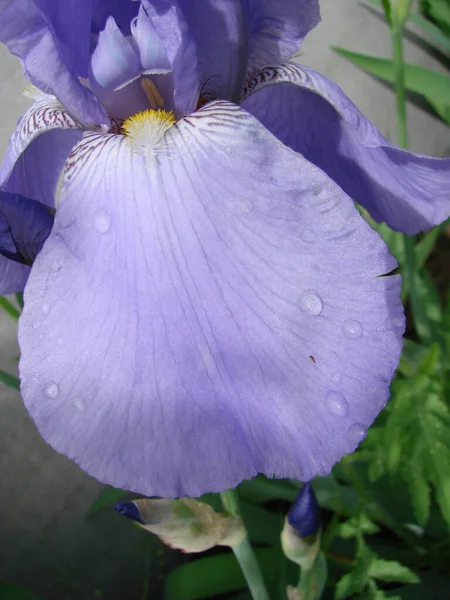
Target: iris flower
x,y
208,304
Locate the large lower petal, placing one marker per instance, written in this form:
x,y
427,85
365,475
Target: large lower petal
x,y
312,115
210,313
205,42
26,33
33,164
276,29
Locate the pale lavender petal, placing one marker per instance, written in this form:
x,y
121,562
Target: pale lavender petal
x,y
32,166
123,11
27,35
114,61
151,51
208,314
205,43
70,24
312,115
276,29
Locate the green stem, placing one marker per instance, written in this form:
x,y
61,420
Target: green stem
x,y
9,308
244,553
410,266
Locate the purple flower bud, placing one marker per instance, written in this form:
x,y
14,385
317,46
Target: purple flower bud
x,y
304,516
25,224
130,510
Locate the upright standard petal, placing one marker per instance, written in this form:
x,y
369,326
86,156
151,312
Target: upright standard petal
x,y
70,24
276,29
205,312
206,46
114,62
26,33
312,115
33,164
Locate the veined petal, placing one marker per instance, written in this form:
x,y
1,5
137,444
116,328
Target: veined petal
x,y
70,24
27,35
205,43
206,314
276,29
312,115
114,61
32,166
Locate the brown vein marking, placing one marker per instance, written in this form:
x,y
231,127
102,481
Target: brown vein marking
x,y
82,152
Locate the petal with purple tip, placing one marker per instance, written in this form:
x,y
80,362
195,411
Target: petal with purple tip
x,y
70,24
114,61
312,115
185,295
205,43
33,164
276,29
26,33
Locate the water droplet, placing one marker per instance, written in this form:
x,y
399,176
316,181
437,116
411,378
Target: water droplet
x,y
244,205
102,221
228,149
356,434
80,405
311,303
317,190
51,390
37,324
352,329
336,378
308,235
337,404
45,308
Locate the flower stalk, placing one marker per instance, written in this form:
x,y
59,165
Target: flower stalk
x,y
244,552
410,270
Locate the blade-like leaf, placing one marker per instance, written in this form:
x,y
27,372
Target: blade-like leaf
x,y
429,83
391,570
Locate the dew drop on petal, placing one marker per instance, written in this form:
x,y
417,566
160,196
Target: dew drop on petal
x,y
102,221
45,308
51,390
244,205
80,405
336,377
310,303
356,434
228,149
352,329
308,236
336,403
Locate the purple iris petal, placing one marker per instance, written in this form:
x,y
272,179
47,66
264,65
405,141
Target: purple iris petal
x,y
312,115
27,35
32,166
304,515
114,61
206,46
70,24
151,51
276,29
25,224
211,313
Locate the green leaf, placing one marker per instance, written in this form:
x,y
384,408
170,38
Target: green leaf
x,y
351,527
434,35
11,591
354,582
9,308
262,489
420,494
221,574
391,570
9,380
313,581
429,83
107,498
